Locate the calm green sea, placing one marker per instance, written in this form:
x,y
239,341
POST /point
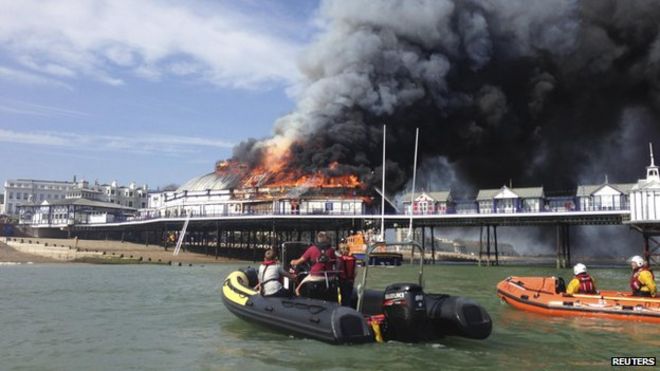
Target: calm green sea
x,y
84,317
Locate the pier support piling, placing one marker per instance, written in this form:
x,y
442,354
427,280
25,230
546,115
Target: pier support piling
x,y
432,245
488,263
481,243
497,254
563,246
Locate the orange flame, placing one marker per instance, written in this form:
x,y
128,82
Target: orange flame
x,y
274,171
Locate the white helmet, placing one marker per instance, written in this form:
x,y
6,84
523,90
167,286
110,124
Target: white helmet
x,y
579,268
637,260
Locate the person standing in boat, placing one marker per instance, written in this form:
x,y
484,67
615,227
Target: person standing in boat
x,y
270,276
582,283
346,268
322,257
642,281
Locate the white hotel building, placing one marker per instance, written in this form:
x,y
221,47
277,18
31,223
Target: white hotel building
x,y
22,192
27,191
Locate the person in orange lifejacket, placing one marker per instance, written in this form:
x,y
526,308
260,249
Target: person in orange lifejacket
x,y
582,283
346,267
642,280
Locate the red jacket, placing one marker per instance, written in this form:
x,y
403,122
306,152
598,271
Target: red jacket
x,y
346,268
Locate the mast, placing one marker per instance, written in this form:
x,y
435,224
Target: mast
x,y
412,194
651,150
382,202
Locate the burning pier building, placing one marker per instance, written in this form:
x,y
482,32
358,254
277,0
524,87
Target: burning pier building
x,y
236,189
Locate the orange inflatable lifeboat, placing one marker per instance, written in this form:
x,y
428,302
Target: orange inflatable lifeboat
x,y
546,295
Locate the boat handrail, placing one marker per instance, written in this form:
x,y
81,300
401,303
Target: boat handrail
x,y
283,260
414,244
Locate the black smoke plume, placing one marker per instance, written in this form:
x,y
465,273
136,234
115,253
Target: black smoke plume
x,y
540,92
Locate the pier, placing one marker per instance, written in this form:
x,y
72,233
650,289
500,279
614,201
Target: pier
x,y
245,236
241,222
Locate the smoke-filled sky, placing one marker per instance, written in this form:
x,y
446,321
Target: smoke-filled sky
x,y
550,93
543,92
533,92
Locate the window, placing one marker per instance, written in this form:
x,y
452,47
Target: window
x,y
18,196
11,195
130,203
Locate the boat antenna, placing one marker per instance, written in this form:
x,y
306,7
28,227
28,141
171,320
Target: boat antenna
x,y
382,202
412,194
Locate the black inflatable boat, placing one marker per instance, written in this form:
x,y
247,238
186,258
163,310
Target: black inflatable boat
x,y
402,312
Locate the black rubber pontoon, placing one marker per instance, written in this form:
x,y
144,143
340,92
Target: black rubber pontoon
x,y
402,312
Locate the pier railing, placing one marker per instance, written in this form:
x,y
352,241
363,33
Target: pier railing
x,y
450,212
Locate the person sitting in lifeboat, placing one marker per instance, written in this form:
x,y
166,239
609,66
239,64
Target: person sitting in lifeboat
x,y
582,283
270,276
321,278
642,281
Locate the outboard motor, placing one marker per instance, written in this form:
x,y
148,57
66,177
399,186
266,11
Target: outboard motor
x,y
456,315
404,307
560,285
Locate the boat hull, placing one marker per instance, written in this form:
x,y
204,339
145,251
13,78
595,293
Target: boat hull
x,y
305,317
543,295
431,317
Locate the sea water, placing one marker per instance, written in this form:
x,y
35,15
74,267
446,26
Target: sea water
x,y
147,317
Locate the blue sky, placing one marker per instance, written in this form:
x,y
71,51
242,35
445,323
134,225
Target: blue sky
x,y
147,91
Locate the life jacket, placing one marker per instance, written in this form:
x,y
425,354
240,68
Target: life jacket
x,y
586,284
635,284
347,268
323,257
267,264
323,263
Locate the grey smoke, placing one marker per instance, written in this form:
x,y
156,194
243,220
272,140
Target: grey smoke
x,y
534,91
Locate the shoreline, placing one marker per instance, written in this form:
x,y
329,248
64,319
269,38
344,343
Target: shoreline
x,y
117,252
47,251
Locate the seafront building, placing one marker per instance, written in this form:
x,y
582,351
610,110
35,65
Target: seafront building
x,y
427,202
29,191
83,204
130,196
645,196
510,200
604,196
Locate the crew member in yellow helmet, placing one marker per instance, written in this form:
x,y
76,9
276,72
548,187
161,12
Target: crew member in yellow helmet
x,y
642,281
